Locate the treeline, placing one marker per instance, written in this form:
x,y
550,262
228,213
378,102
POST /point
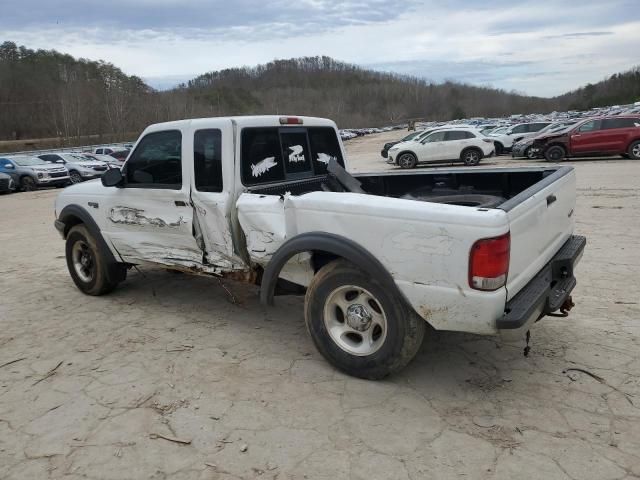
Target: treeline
x,y
44,93
618,89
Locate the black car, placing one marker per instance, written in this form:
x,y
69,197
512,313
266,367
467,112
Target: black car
x,y
385,150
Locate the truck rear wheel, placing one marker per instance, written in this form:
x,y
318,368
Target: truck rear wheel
x,y
358,325
87,264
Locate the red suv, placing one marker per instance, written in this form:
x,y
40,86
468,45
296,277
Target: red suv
x,y
618,135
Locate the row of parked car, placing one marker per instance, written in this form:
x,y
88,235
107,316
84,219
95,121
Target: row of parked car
x,y
553,141
57,169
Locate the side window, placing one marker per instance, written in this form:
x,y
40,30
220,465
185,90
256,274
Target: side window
x,y
156,162
520,129
455,135
324,146
99,151
295,152
590,126
261,156
611,123
207,160
435,137
469,135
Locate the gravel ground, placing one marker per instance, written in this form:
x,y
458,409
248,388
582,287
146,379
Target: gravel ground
x,y
168,378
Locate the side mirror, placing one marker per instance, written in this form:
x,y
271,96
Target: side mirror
x,y
112,177
8,166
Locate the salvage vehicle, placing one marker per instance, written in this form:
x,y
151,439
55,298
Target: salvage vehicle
x,y
80,167
378,256
523,148
385,149
444,145
504,140
30,173
619,135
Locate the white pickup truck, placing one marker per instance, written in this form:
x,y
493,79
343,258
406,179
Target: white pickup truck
x,y
379,256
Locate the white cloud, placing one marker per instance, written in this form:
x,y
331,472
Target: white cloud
x,y
562,49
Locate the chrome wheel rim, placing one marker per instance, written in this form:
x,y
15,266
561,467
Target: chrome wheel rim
x,y
406,160
355,320
75,177
636,151
83,262
530,154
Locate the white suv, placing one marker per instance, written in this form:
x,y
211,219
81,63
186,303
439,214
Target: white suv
x,y
504,140
449,145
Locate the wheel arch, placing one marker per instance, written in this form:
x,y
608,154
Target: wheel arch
x,y
406,151
73,215
472,147
324,247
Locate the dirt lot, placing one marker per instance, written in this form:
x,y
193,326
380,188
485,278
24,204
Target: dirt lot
x,y
102,387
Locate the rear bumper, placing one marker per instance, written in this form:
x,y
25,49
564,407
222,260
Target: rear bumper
x,y
549,289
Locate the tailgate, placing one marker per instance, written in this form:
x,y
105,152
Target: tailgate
x,y
540,220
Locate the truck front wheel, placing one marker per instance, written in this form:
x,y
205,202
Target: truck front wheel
x,y
87,264
358,325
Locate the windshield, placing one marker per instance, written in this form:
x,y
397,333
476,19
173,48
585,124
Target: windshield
x,y
412,135
29,161
76,157
500,130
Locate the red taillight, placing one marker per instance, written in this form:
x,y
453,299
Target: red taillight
x,y
489,263
290,121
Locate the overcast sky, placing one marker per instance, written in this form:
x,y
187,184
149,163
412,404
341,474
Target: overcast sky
x,y
542,47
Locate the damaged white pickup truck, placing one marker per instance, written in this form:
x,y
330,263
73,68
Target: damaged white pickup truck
x,y
266,199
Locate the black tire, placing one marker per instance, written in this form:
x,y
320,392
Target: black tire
x,y
88,265
634,150
624,155
28,184
75,177
468,200
407,160
499,148
471,156
398,343
555,153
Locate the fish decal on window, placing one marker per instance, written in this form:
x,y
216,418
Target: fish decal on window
x,y
263,166
296,154
324,158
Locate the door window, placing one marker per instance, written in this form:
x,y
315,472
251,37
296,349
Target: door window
x,y
435,137
156,162
520,129
457,135
207,160
611,123
590,126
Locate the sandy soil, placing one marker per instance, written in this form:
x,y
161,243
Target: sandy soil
x,y
103,387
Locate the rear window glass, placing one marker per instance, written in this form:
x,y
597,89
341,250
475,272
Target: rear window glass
x,y
458,135
275,154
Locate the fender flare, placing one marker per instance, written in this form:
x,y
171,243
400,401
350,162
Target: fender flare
x,y
328,243
76,211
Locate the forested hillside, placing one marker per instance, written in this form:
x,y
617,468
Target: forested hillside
x,y
44,93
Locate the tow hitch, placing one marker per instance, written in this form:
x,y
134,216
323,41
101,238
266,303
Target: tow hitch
x,y
565,308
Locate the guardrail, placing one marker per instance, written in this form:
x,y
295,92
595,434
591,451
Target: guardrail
x,y
84,148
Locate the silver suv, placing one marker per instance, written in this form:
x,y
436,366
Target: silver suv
x,y
80,167
29,173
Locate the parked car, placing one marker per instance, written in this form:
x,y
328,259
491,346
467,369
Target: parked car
x,y
385,149
523,148
120,155
449,145
80,167
7,184
503,141
29,173
619,135
103,150
267,199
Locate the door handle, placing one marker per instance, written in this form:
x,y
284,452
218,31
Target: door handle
x,y
551,199
180,203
